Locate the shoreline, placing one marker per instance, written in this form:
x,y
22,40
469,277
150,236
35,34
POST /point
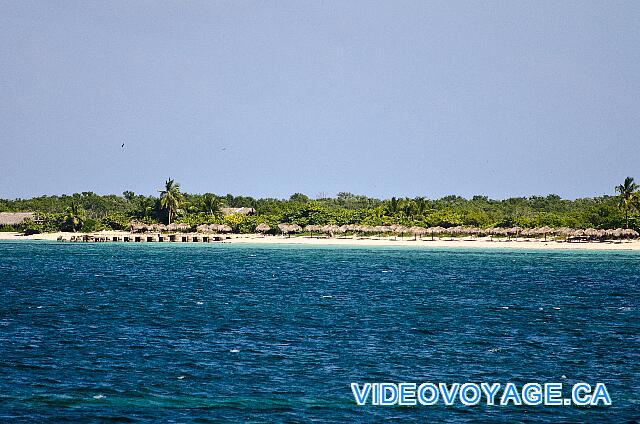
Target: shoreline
x,y
465,242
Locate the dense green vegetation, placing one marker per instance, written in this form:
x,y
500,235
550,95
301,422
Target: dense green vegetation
x,y
88,211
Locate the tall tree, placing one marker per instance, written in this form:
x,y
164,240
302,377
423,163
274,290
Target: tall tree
x,y
74,217
211,204
627,196
170,198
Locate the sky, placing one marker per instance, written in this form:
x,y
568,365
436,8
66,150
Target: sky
x,y
269,98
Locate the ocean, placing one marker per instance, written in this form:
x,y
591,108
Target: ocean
x,y
227,333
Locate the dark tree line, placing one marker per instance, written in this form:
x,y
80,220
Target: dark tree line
x,y
88,211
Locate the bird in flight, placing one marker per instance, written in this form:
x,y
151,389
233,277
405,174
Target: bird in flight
x,y
122,144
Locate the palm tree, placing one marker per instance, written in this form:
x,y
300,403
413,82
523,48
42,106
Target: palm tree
x,y
75,217
627,197
170,198
211,204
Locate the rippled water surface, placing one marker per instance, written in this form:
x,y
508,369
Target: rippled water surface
x,y
199,333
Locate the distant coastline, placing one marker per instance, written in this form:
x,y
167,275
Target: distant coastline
x,y
443,242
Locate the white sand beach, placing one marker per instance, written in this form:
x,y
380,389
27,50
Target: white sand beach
x,y
444,242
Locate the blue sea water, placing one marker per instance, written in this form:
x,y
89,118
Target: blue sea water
x,y
213,333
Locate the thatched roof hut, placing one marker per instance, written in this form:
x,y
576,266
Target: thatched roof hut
x,y
243,211
16,218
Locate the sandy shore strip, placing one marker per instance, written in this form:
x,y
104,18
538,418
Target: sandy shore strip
x,y
483,242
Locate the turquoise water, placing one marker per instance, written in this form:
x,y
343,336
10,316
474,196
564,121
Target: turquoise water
x,y
207,333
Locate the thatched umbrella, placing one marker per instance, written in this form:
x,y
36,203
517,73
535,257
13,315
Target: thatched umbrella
x,y
544,231
417,231
221,228
367,229
629,233
287,228
437,230
591,232
514,231
470,231
330,229
178,227
136,226
350,228
295,228
312,228
284,228
203,228
379,229
565,232
183,227
262,228
458,230
398,229
159,227
495,231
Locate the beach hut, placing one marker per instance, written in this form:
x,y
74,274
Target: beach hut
x,y
17,218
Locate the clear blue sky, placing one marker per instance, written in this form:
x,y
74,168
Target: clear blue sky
x,y
379,98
